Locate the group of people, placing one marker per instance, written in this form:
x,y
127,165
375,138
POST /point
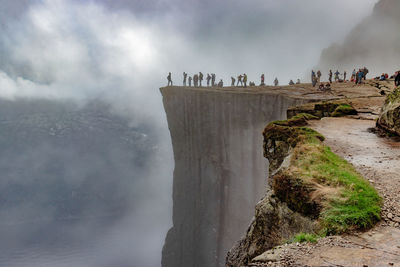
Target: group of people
x,y
358,76
241,81
197,79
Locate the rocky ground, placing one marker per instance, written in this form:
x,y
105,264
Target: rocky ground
x,y
369,89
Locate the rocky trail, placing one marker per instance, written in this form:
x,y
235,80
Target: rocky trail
x,y
378,160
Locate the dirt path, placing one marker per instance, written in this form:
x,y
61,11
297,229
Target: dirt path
x,y
377,159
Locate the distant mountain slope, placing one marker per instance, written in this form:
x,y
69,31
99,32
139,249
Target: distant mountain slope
x,y
373,43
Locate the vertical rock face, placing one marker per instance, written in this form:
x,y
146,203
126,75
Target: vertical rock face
x,y
220,172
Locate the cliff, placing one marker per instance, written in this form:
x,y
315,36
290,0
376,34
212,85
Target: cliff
x,y
220,173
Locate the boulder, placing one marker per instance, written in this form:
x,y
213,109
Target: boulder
x,y
389,118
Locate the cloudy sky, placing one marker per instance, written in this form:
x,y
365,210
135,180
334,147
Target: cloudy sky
x,y
81,48
121,51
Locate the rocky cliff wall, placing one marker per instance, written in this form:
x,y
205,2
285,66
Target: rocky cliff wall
x,y
220,172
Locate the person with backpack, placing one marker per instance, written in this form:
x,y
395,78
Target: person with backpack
x,y
239,80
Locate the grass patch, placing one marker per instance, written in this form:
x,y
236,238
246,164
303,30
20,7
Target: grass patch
x,y
350,202
305,116
393,96
304,237
343,110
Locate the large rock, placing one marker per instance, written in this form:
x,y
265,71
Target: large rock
x,y
273,223
389,119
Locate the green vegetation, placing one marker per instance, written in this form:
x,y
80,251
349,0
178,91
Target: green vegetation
x,y
343,110
304,237
298,120
320,184
350,202
393,96
305,116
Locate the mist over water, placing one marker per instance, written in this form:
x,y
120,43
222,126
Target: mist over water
x,y
74,195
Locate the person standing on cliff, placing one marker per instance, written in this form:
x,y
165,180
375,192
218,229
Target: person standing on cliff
x,y
190,81
314,81
208,79
312,76
365,72
200,78
330,76
184,78
196,80
337,73
213,79
353,75
319,74
233,81
239,80
169,78
276,82
344,76
245,80
262,80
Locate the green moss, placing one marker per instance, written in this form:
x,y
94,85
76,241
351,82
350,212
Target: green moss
x,y
305,116
343,110
393,96
355,204
304,237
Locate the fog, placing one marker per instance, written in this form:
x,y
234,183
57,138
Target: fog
x,y
120,52
372,43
